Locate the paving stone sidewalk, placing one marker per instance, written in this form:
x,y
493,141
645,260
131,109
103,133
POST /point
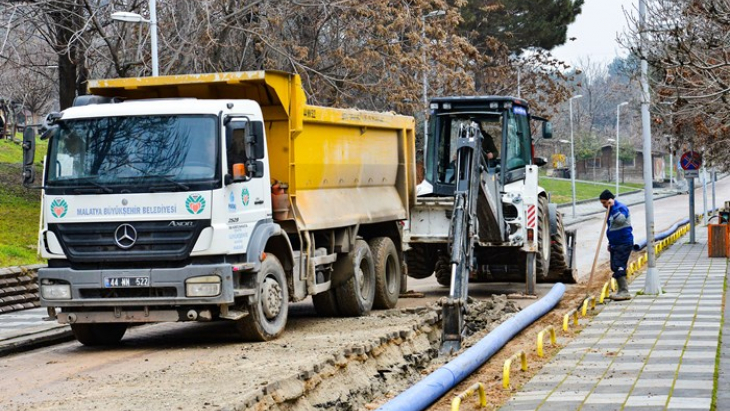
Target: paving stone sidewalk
x,y
652,353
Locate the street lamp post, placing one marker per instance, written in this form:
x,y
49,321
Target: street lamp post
x,y
425,73
572,150
651,284
618,147
129,17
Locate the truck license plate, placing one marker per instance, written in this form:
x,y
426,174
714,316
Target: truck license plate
x,y
115,282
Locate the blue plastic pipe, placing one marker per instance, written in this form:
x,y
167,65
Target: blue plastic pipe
x,y
436,384
666,233
640,245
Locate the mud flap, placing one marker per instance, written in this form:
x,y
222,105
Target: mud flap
x,y
570,242
530,273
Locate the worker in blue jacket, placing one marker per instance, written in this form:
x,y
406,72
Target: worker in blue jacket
x,y
620,242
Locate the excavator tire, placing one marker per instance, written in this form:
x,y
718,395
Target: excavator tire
x,y
543,241
559,254
443,271
420,261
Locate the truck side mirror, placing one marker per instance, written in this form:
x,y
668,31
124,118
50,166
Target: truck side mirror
x,y
28,156
539,161
255,137
49,125
547,130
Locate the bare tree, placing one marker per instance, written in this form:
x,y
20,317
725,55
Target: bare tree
x,y
688,47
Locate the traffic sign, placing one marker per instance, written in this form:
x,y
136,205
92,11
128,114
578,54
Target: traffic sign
x,y
691,173
691,160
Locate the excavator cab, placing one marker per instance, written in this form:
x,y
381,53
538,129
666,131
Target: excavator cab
x,y
503,122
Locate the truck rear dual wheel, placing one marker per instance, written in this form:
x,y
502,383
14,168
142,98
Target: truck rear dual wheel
x,y
387,272
267,315
97,334
356,294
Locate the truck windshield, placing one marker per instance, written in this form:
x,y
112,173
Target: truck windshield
x,y
134,152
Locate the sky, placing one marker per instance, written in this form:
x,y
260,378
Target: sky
x,y
596,29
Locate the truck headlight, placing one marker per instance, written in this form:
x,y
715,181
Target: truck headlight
x,y
204,286
51,291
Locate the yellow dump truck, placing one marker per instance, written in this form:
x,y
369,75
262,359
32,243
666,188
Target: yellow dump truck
x,y
218,196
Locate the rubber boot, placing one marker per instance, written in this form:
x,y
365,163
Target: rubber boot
x,y
623,290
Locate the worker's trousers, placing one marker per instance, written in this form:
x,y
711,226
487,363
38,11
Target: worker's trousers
x,y
620,259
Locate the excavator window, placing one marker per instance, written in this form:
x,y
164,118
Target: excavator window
x,y
449,128
518,151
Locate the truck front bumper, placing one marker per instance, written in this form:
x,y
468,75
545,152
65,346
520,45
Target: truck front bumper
x,y
148,289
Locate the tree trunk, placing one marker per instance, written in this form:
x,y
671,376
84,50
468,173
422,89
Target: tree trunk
x,y
65,16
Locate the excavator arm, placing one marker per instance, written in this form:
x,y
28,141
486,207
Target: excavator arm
x,y
464,233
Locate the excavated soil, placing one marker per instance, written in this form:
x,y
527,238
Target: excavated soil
x,y
318,364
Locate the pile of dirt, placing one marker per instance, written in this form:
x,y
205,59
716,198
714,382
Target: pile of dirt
x,y
487,314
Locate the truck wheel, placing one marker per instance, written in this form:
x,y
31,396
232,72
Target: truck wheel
x,y
325,304
421,263
267,315
443,271
543,240
387,272
355,295
99,333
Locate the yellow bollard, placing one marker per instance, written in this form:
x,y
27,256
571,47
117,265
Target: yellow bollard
x,y
592,300
553,339
632,267
478,387
572,312
614,284
508,365
604,292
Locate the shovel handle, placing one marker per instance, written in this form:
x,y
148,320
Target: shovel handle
x,y
598,247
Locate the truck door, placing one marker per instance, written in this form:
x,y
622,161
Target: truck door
x,y
247,191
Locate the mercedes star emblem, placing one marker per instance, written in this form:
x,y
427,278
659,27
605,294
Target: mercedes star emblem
x,y
125,236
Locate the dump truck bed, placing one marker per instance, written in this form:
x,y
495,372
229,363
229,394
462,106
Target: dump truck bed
x,y
343,166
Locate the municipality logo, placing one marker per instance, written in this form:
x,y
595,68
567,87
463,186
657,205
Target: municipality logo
x,y
59,208
245,196
195,204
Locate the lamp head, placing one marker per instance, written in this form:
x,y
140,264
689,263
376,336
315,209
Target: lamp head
x,y
127,17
